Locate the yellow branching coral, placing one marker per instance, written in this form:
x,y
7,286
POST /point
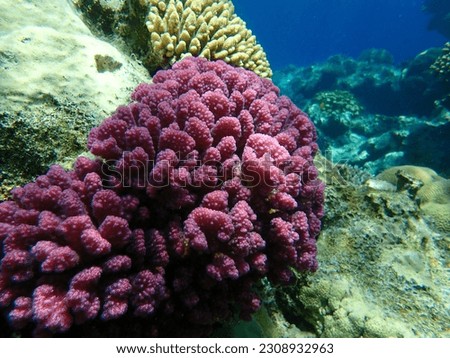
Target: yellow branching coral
x,y
207,28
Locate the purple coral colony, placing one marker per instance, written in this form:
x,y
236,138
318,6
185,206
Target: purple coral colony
x,y
202,186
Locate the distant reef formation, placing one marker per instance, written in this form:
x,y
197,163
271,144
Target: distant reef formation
x,y
373,113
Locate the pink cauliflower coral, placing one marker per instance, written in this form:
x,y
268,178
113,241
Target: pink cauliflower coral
x,y
204,184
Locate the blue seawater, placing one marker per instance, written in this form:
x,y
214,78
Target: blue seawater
x,y
302,32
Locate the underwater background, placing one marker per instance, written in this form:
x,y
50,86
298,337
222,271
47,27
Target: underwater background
x,y
308,31
372,79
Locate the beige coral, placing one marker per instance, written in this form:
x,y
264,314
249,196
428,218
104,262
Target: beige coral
x,y
424,174
207,28
434,195
435,202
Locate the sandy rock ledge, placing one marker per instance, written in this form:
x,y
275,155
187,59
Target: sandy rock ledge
x,y
58,81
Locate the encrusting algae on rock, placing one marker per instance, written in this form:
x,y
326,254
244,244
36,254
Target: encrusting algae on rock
x,y
49,100
368,234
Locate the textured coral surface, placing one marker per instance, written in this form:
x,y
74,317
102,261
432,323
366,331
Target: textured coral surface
x,y
206,28
433,193
383,269
203,185
442,64
160,32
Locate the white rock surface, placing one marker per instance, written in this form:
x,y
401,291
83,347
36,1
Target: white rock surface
x,y
47,51
53,87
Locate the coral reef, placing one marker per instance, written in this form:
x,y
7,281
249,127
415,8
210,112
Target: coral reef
x,y
161,32
377,83
433,192
335,111
442,64
48,100
396,115
335,103
203,185
373,228
372,231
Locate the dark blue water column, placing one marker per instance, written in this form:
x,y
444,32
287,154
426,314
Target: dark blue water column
x,y
302,32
